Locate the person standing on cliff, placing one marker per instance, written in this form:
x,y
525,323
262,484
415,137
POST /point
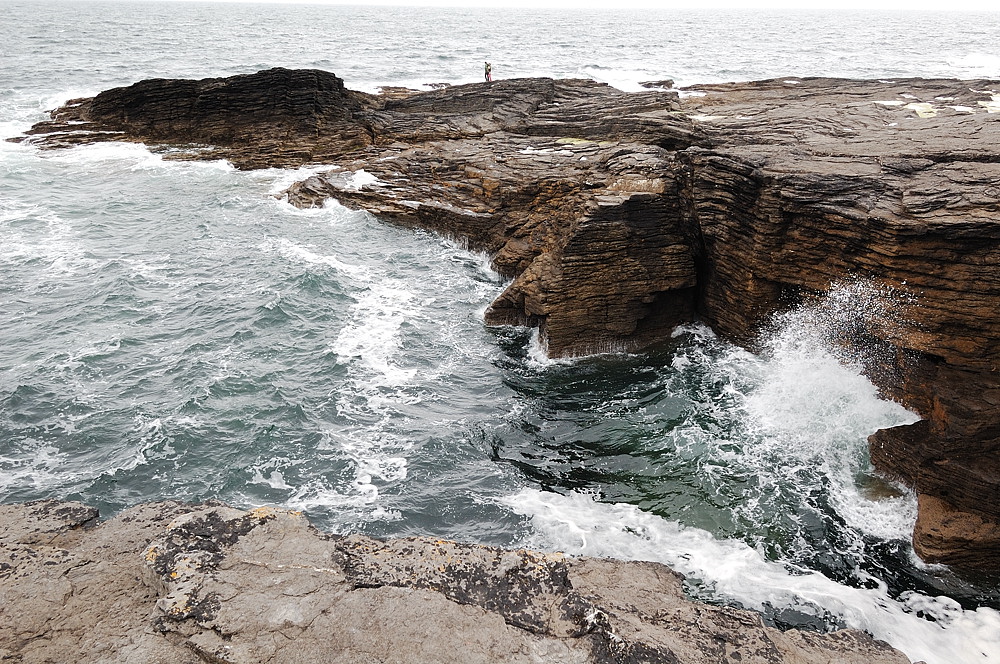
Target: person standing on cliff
x,y
489,72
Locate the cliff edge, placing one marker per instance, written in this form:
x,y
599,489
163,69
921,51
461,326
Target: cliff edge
x,y
620,215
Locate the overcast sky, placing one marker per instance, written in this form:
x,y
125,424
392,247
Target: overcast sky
x,y
922,5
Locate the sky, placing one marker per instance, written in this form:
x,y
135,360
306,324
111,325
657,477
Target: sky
x,y
890,5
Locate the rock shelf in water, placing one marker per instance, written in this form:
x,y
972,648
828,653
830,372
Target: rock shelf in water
x,y
621,215
182,584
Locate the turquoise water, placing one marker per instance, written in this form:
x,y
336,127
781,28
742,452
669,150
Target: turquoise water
x,y
176,330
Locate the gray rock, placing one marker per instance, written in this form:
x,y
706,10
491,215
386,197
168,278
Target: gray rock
x,y
167,582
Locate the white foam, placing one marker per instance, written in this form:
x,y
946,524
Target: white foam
x,y
45,467
10,129
538,352
372,339
305,254
151,435
274,479
315,494
377,459
280,179
42,468
49,239
811,408
800,409
131,156
379,387
369,345
579,525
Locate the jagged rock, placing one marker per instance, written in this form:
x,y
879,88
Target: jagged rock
x,y
69,593
946,535
177,583
618,216
820,180
275,117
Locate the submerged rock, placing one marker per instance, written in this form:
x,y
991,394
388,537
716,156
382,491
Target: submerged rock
x,y
169,582
619,216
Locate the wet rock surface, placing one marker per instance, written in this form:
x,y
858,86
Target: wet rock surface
x,y
169,582
618,216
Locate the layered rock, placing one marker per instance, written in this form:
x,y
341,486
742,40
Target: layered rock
x,y
276,117
177,583
619,215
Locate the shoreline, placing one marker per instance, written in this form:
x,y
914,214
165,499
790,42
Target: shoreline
x,y
619,216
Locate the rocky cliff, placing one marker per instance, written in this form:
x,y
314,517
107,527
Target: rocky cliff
x,y
174,584
618,216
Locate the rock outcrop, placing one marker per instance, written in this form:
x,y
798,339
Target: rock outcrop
x,y
273,118
619,216
176,583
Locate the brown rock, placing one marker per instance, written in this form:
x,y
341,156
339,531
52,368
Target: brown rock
x,y
275,117
954,537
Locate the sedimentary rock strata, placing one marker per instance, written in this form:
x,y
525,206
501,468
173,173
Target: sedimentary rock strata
x,y
618,216
894,181
176,583
275,117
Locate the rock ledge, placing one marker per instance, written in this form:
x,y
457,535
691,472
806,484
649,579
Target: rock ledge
x,y
180,584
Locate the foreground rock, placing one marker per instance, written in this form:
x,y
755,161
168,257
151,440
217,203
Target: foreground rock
x,y
618,216
177,583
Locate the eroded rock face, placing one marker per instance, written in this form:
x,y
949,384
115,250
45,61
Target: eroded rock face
x,y
176,583
619,216
940,526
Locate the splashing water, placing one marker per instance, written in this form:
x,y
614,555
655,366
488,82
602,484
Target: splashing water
x,y
759,489
740,574
173,331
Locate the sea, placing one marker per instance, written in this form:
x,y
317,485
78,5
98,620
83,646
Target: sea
x,y
176,330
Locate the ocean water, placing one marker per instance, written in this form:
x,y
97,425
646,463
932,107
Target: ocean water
x,y
175,330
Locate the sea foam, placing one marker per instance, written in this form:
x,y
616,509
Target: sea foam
x,y
579,525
